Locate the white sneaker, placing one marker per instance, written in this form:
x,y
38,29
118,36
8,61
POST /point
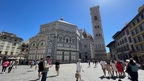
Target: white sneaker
x,y
104,75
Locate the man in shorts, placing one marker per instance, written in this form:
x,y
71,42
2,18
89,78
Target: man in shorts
x,y
103,65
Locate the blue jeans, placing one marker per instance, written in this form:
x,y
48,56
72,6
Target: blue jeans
x,y
44,76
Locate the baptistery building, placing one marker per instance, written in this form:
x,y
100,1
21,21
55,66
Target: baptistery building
x,y
58,39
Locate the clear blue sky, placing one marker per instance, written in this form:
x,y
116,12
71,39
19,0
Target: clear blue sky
x,y
24,17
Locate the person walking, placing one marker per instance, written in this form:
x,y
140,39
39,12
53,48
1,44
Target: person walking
x,y
89,63
103,65
32,64
46,68
57,66
128,69
36,65
95,62
40,67
114,69
109,69
133,70
4,66
78,70
119,68
10,66
15,64
123,68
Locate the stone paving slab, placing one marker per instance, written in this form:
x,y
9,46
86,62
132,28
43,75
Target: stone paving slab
x,y
67,73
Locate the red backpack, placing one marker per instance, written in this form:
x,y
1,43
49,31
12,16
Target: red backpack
x,y
6,63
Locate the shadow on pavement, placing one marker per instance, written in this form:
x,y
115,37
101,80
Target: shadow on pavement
x,y
51,76
33,80
1,73
30,71
102,77
114,78
122,77
23,73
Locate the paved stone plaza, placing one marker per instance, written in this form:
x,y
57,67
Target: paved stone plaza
x,y
67,72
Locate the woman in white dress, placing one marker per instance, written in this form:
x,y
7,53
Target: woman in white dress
x,y
114,69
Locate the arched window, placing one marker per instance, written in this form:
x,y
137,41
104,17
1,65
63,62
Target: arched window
x,y
60,39
67,40
33,44
73,41
42,44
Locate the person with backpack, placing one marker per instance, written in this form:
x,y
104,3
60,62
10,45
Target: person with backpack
x,y
133,70
40,67
45,65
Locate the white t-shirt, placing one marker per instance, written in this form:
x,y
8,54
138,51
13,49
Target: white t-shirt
x,y
78,67
103,64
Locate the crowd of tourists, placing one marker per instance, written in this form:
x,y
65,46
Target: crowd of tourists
x,y
120,68
42,66
113,68
110,68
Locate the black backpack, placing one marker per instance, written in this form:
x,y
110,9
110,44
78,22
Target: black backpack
x,y
40,66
